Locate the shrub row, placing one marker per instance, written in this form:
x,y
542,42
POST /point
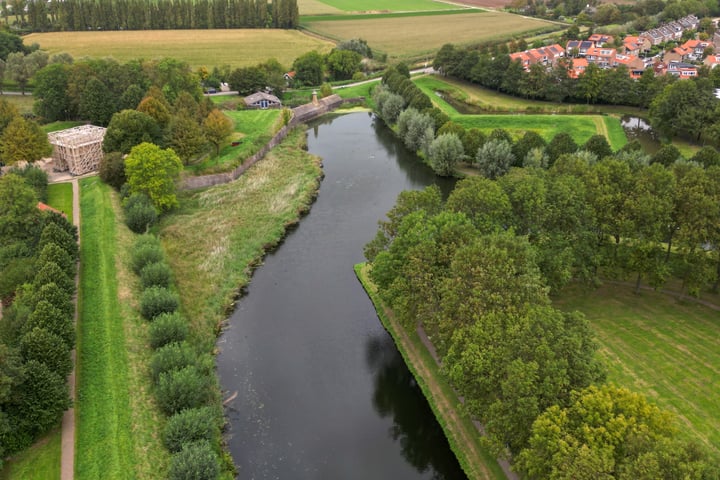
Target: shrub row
x,y
183,378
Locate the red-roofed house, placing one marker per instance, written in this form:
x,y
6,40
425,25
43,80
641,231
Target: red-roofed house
x,y
695,48
47,208
578,67
636,45
600,40
632,62
603,57
544,56
712,60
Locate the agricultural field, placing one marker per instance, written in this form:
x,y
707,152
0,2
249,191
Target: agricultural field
x,y
375,6
663,348
316,7
237,48
419,36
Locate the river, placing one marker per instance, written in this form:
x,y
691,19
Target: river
x,y
322,392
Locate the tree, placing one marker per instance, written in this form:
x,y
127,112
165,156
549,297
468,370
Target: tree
x,y
248,80
21,67
10,43
153,171
707,156
112,169
445,151
309,68
129,128
494,158
8,112
98,103
156,108
609,432
51,85
666,155
185,137
18,209
598,145
683,107
527,142
484,203
560,144
217,127
342,64
23,140
44,347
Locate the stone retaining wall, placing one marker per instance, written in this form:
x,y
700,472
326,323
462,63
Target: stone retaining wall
x,y
301,114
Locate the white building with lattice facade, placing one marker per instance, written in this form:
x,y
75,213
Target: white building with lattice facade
x,y
78,149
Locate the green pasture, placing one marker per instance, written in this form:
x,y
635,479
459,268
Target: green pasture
x,y
117,429
60,197
420,36
39,462
253,129
385,15
663,348
374,6
234,47
55,126
24,103
580,127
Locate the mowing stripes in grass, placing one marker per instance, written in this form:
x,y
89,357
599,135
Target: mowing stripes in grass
x,y
104,431
664,349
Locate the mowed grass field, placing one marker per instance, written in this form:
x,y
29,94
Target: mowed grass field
x,y
60,197
412,37
667,350
39,462
118,426
237,48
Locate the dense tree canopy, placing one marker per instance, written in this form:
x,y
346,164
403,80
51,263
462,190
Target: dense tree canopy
x,y
153,171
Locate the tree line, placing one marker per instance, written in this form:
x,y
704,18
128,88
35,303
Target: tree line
x,y
476,273
663,95
38,254
82,15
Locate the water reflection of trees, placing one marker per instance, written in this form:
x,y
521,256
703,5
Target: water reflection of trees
x,y
421,439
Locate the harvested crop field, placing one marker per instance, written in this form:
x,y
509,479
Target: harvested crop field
x,y
236,48
485,3
388,6
411,37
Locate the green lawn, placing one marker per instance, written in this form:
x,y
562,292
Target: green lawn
x,y
253,129
24,103
388,6
60,197
664,349
39,462
55,126
117,427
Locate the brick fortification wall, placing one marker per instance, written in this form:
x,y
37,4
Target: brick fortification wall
x,y
301,114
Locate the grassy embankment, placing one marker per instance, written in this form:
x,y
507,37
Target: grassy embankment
x,y
253,129
118,426
464,439
42,460
217,235
237,48
665,349
418,35
580,127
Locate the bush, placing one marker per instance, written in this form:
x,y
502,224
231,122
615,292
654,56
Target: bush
x,y
178,390
145,254
191,426
173,356
54,253
197,461
47,348
146,239
167,328
140,213
54,233
46,316
155,275
52,273
157,300
112,169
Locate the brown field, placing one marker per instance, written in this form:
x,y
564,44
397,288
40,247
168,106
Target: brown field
x,y
236,48
413,37
315,7
484,3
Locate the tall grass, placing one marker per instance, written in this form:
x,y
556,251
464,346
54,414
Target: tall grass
x,y
117,423
218,234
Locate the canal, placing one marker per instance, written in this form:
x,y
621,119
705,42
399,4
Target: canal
x,y
322,392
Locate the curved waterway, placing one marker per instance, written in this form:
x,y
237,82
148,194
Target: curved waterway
x,y
322,392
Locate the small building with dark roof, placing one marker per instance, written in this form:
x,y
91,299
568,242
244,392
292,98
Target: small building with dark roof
x,y
262,100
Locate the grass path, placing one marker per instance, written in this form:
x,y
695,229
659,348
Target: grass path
x,y
461,432
117,425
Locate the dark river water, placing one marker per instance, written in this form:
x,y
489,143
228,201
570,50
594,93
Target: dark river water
x,y
322,392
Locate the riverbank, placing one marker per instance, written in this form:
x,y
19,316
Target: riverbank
x,y
462,435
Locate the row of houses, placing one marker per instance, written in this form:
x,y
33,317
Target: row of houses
x,y
672,31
